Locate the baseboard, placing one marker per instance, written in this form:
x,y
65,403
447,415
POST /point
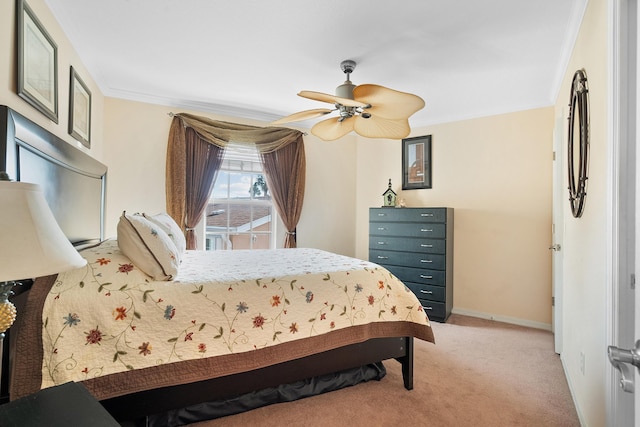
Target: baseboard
x,y
505,319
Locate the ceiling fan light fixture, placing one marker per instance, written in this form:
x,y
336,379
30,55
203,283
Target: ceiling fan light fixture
x,y
345,90
370,110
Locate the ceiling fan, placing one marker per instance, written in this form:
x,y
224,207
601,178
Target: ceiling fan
x,y
370,110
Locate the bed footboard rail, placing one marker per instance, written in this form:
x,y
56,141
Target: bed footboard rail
x,y
134,406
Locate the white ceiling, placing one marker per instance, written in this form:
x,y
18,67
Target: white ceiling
x,y
249,58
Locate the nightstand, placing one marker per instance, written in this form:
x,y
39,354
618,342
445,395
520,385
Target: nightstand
x,y
69,404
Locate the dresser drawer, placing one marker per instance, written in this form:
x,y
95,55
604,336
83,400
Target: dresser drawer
x,y
408,259
428,292
417,275
403,244
435,310
409,229
408,214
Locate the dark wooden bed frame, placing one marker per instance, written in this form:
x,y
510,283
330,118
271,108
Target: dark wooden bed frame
x,y
31,154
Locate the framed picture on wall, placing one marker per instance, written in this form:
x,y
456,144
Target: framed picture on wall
x,y
37,63
416,163
79,110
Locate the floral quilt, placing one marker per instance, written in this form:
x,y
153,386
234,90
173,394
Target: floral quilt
x,y
109,317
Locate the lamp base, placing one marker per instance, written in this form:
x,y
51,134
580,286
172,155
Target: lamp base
x,y
7,309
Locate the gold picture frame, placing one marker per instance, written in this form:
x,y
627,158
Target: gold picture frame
x,y
79,109
37,63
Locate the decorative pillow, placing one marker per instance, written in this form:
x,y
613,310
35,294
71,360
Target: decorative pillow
x,y
148,247
169,225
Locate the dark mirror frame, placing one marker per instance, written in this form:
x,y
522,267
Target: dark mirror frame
x,y
578,117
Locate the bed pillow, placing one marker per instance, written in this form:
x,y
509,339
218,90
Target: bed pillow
x,y
173,230
148,247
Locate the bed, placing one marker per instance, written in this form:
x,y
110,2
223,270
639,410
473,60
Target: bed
x,y
284,320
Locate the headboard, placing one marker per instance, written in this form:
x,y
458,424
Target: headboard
x,y
74,183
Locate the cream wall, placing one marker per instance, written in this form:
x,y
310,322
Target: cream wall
x,y
136,135
585,239
328,220
137,143
67,57
496,174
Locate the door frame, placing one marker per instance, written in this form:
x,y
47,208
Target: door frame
x,y
621,200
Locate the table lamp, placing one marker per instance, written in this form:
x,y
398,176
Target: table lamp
x,y
31,242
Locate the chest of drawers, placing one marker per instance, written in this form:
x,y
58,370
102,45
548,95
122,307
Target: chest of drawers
x,y
416,245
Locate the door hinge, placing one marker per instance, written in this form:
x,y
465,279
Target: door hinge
x,y
553,301
554,156
633,281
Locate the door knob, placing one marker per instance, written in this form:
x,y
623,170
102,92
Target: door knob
x,y
621,359
555,247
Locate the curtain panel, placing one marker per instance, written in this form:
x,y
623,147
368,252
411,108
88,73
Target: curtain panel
x,y
191,169
285,172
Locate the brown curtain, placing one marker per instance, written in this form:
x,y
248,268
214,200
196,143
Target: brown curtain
x,y
203,162
192,165
285,172
222,133
184,177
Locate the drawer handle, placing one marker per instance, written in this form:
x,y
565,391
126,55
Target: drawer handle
x,y
382,257
381,214
422,291
427,308
426,261
425,214
426,230
381,243
381,228
426,246
426,277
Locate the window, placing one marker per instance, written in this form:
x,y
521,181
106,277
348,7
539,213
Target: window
x,y
240,212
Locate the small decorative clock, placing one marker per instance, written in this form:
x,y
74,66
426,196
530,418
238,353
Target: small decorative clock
x,y
389,197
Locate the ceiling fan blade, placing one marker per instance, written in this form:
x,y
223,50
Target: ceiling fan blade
x,y
303,115
380,127
332,129
388,103
332,99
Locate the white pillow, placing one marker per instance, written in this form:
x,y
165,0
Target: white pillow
x,y
169,225
148,247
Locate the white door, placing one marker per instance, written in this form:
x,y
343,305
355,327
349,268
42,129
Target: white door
x,y
624,389
557,228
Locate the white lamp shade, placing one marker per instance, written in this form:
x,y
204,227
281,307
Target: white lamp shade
x,y
31,241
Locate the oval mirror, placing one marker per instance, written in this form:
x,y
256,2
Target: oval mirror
x,y
578,143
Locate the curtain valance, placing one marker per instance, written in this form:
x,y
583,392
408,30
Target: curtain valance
x,y
267,140
195,151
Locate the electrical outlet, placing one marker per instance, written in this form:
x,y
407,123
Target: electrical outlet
x,y
582,362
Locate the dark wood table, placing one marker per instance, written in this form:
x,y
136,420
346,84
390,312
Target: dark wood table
x,y
69,404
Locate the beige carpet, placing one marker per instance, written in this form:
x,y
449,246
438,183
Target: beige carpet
x,y
479,373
